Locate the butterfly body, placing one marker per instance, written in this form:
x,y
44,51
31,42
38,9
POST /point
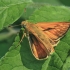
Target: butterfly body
x,y
43,37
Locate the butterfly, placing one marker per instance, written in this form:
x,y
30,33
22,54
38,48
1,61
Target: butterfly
x,y
44,36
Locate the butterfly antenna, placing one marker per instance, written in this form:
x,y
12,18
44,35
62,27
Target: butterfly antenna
x,y
14,26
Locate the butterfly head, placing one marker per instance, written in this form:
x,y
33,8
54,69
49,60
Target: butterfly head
x,y
24,24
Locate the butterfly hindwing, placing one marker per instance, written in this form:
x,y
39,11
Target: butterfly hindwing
x,y
38,48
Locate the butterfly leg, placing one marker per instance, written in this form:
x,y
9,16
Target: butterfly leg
x,y
21,39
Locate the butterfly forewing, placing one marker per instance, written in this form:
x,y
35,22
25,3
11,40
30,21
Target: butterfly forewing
x,y
55,30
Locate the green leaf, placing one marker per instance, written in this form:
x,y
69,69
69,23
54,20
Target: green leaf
x,y
51,14
48,2
10,11
21,57
40,3
67,64
12,59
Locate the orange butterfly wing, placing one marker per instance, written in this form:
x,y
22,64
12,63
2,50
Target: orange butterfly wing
x,y
54,30
37,47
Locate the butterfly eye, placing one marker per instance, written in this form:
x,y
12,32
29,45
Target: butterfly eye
x,y
23,24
